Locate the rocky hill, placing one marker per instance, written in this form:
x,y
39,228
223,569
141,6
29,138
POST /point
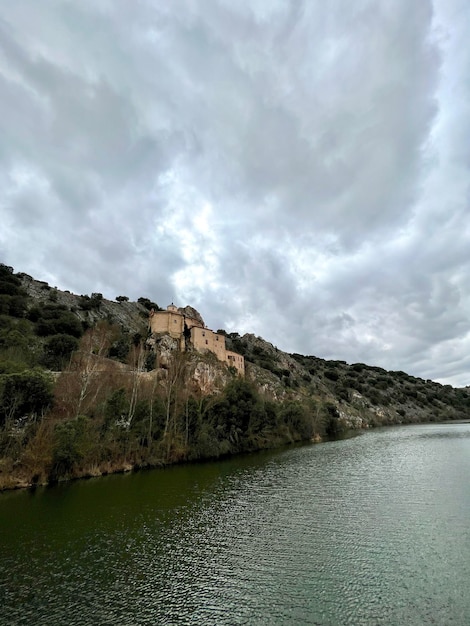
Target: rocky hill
x,y
130,316
84,390
359,395
363,395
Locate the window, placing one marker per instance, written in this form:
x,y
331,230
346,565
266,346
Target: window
x,y
207,341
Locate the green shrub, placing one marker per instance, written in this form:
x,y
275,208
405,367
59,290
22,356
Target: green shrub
x,y
71,443
331,375
55,319
298,419
358,367
88,303
28,393
57,351
148,304
120,349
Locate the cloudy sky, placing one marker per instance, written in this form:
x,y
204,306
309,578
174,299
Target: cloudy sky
x,y
295,169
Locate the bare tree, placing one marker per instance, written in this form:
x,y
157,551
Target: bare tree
x,y
174,389
137,361
80,384
152,399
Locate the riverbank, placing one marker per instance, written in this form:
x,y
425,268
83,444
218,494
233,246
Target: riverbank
x,y
11,482
17,478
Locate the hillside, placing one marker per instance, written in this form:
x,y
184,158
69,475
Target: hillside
x,y
363,395
84,390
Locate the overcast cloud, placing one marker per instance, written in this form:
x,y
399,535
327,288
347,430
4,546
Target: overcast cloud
x,y
299,170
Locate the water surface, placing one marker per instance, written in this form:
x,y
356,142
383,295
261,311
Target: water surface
x,y
370,530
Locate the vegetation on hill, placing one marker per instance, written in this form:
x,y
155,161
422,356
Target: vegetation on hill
x,y
82,393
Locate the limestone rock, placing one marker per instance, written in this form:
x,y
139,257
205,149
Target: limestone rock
x,y
189,311
209,377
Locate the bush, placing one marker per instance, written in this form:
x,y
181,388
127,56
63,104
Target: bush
x,y
10,285
85,303
148,304
57,351
298,419
14,305
11,366
55,319
25,393
117,406
358,367
120,349
332,375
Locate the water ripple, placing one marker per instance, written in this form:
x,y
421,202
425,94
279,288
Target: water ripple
x,y
367,531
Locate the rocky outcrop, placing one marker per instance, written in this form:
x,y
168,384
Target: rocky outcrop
x,y
165,346
189,311
209,378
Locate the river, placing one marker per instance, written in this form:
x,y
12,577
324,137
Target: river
x,y
370,530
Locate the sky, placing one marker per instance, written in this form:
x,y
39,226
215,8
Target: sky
x,y
297,170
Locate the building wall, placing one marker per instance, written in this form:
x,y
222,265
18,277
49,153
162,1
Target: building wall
x,y
204,339
235,360
168,322
172,322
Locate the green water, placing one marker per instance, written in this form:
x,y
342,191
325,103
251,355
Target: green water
x,y
371,530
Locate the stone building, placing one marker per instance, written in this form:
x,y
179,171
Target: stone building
x,y
187,327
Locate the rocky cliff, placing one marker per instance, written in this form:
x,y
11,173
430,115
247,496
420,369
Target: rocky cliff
x,y
358,395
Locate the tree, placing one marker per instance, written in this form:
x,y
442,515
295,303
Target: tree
x,y
27,393
122,299
96,300
55,319
57,350
176,365
71,443
80,385
148,304
137,361
231,415
12,297
299,419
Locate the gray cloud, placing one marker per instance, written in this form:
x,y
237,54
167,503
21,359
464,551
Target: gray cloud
x,y
297,170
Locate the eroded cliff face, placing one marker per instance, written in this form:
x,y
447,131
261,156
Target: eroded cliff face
x,y
164,348
209,377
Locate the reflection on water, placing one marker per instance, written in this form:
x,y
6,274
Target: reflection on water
x,y
369,530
